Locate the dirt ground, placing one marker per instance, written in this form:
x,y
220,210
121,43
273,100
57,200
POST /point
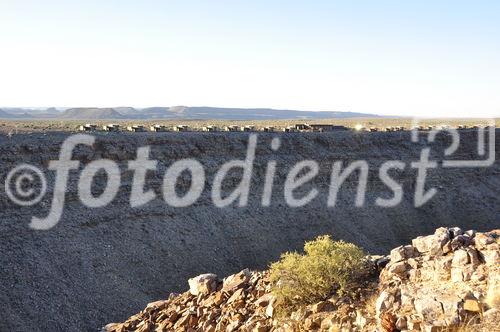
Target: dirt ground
x,y
102,265
18,126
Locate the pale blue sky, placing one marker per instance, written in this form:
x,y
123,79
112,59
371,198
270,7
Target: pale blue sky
x,y
424,58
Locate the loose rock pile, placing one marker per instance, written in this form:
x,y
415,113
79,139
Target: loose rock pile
x,y
439,282
241,301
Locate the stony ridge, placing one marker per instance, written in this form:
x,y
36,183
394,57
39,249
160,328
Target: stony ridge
x,y
442,281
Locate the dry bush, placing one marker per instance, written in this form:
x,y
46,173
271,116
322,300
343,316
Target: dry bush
x,y
326,268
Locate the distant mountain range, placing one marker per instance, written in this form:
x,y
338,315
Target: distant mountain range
x,y
174,112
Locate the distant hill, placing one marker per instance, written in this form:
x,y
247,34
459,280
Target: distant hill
x,y
157,112
6,115
176,112
258,114
91,114
125,110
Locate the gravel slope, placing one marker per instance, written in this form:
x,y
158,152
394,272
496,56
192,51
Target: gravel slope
x,y
102,265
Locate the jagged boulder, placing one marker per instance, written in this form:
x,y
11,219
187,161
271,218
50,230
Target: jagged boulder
x,y
432,244
403,252
453,279
203,284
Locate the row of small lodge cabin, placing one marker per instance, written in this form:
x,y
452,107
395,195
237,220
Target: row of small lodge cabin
x,y
302,127
319,127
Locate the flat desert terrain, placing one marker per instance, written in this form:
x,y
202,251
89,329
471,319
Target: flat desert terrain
x,y
13,126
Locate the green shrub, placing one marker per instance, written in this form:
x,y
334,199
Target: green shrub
x,y
326,268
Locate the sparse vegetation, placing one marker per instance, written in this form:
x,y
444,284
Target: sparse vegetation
x,y
72,125
326,268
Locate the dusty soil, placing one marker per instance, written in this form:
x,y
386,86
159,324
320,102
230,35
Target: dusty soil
x,y
102,265
29,126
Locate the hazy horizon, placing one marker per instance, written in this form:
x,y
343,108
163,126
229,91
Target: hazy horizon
x,y
63,108
423,59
